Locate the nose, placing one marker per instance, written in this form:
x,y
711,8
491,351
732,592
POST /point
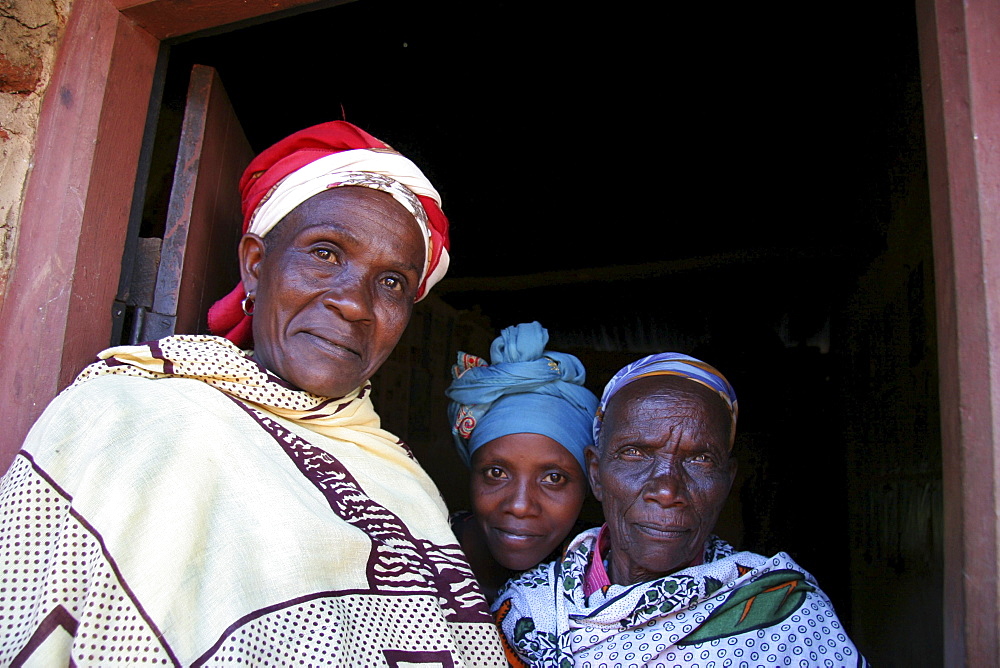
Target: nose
x,y
667,486
521,501
349,294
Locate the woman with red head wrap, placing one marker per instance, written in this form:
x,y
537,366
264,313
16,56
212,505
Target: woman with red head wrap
x,y
191,502
316,159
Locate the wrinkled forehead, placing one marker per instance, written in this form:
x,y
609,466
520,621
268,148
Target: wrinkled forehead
x,y
654,399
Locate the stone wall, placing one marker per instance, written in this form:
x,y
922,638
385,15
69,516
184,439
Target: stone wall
x,y
29,34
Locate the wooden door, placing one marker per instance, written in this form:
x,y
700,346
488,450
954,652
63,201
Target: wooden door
x,y
197,257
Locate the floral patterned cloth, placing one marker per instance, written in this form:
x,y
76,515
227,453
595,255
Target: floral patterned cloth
x,y
736,609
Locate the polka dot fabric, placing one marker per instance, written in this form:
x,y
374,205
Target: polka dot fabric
x,y
178,505
219,363
738,609
351,631
48,549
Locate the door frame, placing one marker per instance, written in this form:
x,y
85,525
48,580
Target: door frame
x,y
57,308
959,43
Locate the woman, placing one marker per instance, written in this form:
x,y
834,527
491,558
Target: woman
x,y
188,502
521,424
653,586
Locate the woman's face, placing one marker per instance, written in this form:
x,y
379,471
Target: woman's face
x,y
527,492
333,285
662,473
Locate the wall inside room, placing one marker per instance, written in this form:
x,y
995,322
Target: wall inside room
x,y
888,388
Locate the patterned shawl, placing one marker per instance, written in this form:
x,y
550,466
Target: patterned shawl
x,y
181,505
737,608
219,363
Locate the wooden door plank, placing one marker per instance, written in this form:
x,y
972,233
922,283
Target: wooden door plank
x,y
212,266
198,258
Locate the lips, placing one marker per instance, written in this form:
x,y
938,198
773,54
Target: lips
x,y
516,534
518,548
334,344
662,531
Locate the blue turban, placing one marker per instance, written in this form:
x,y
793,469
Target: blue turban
x,y
669,364
526,389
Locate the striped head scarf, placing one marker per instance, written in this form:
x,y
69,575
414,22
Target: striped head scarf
x,y
669,364
308,162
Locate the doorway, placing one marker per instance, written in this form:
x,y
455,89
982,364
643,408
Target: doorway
x,y
754,196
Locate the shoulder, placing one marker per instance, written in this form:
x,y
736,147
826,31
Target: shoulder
x,y
761,577
716,549
134,398
775,596
747,571
584,541
534,577
539,580
112,417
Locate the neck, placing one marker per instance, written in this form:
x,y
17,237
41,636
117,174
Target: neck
x,y
622,573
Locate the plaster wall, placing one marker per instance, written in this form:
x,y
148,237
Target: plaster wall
x,y
30,31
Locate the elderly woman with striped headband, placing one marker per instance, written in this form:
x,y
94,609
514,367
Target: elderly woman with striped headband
x,y
202,499
521,423
654,586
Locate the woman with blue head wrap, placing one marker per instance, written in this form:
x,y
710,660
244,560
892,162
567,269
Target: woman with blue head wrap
x,y
521,423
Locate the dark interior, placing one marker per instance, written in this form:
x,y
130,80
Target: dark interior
x,y
743,183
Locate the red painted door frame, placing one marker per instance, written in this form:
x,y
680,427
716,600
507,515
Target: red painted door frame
x,y
959,47
56,311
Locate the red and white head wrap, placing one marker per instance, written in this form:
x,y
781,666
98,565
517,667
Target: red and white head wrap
x,y
325,156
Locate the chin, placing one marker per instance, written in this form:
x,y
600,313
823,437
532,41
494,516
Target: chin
x,y
519,564
331,392
668,566
318,381
522,561
515,560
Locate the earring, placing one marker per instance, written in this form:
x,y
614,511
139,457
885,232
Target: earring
x,y
247,301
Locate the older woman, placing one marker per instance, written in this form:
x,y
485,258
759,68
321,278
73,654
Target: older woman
x,y
654,586
188,502
521,424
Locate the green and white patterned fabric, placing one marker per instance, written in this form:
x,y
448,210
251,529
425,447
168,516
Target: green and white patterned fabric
x,y
736,609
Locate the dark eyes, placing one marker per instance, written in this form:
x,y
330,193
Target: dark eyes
x,y
554,478
392,282
633,453
325,254
495,473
